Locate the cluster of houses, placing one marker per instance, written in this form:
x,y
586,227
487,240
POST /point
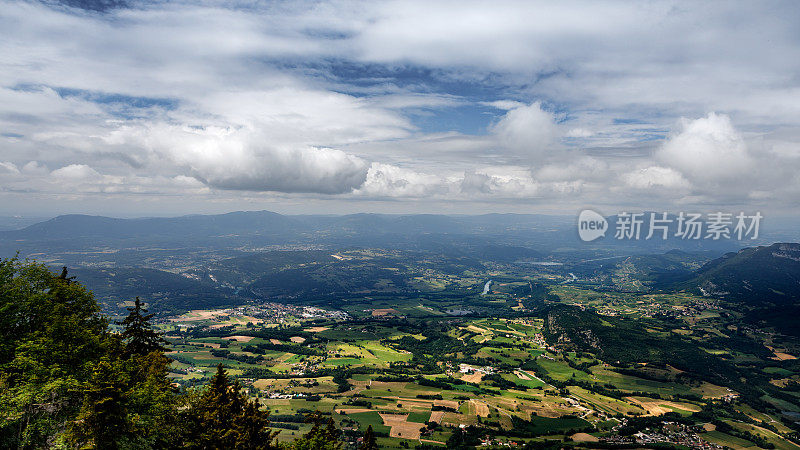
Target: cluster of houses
x,y
668,433
467,369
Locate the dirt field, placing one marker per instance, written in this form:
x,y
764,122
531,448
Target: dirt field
x,y
659,407
476,329
521,375
584,437
316,329
480,408
384,312
474,377
436,416
415,403
275,342
352,411
240,338
297,339
401,427
284,357
780,355
197,314
781,383
446,403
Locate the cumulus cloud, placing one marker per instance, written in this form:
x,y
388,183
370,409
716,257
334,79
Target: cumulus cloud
x,y
707,148
385,180
655,176
245,159
475,182
319,170
528,130
501,182
76,172
277,140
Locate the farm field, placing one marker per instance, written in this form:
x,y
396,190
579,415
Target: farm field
x,y
418,376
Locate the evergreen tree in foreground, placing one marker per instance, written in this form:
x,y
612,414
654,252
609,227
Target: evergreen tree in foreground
x,y
139,336
129,401
322,436
369,442
103,421
223,417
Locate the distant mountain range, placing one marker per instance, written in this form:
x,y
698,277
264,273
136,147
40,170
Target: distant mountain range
x,y
267,222
256,229
78,225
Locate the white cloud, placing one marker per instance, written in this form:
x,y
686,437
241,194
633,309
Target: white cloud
x,y
245,159
384,180
655,176
579,133
707,148
76,172
7,167
507,182
183,180
505,105
528,130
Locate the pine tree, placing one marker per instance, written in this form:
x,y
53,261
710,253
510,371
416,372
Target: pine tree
x,y
128,403
223,417
322,436
369,442
152,401
102,422
139,335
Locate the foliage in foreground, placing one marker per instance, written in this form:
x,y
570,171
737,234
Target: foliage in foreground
x,y
67,381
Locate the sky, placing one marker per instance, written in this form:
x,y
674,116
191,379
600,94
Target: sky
x,y
129,108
